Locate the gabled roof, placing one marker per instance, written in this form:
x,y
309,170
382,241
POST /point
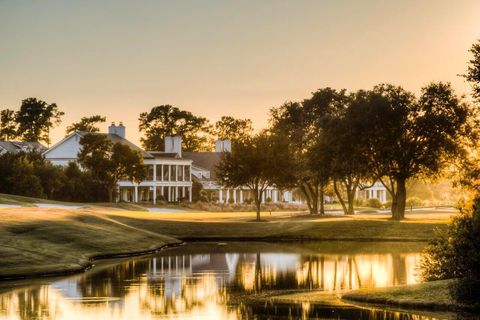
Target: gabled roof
x,y
113,138
206,160
18,146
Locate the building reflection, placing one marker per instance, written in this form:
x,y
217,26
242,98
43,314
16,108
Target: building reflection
x,y
201,285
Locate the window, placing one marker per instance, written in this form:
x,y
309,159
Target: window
x,y
187,173
173,173
159,172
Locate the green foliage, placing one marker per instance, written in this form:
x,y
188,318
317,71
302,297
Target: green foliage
x,y
86,124
359,202
456,254
29,174
35,119
107,163
233,129
18,175
196,189
303,126
409,137
473,72
373,203
166,120
261,161
8,125
414,202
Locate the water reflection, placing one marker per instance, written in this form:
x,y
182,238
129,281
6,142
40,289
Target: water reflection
x,y
189,284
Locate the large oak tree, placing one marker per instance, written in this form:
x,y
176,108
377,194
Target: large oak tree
x,y
166,120
409,137
35,119
257,162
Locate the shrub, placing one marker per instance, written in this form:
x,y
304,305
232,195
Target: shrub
x,y
456,254
414,202
230,200
359,202
373,203
268,200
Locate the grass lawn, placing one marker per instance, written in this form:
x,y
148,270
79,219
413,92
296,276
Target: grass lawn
x,y
44,240
433,295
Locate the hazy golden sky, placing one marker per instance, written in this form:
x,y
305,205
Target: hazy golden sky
x,y
214,58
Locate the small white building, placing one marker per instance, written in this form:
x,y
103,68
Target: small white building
x,y
376,191
169,174
204,169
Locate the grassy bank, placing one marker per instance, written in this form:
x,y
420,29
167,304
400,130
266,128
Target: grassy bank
x,y
201,226
433,295
44,240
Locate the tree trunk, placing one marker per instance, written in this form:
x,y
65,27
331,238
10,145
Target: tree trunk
x,y
307,197
258,202
339,196
322,199
315,200
351,200
401,196
110,194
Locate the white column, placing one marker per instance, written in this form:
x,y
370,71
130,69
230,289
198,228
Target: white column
x,y
220,196
154,172
176,193
161,171
169,168
154,194
228,194
183,173
169,195
241,196
161,191
263,197
234,195
190,194
135,195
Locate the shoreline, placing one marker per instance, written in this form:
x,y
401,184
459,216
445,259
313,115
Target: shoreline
x,y
91,263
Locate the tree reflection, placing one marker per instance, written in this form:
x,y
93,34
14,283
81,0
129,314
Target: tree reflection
x,y
195,283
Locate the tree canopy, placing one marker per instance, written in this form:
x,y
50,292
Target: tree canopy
x,y
86,124
407,136
8,125
257,162
233,129
108,163
35,119
166,120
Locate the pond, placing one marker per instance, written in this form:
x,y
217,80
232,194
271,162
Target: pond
x,y
212,280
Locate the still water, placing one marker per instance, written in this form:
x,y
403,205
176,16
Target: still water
x,y
210,281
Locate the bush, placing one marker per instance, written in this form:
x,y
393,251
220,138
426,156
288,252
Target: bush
x,y
455,254
230,200
268,200
359,202
374,203
414,202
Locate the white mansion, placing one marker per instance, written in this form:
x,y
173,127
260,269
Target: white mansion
x,y
170,172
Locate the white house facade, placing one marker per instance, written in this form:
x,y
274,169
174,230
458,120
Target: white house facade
x,y
376,191
169,175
